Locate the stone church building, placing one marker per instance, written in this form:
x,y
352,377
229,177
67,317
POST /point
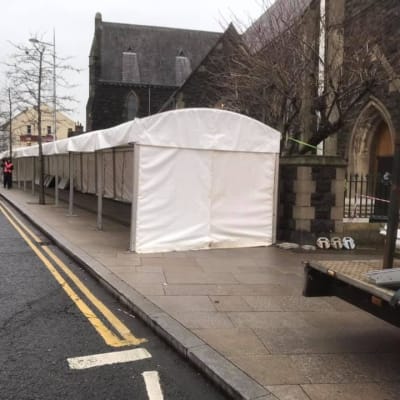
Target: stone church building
x,y
134,69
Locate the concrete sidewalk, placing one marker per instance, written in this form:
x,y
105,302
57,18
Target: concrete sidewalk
x,y
238,314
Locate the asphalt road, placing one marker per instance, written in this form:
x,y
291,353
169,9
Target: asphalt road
x,y
53,315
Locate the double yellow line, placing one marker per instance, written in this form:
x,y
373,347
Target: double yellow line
x,y
122,336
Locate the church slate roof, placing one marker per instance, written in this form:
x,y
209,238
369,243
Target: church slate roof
x,y
156,50
274,21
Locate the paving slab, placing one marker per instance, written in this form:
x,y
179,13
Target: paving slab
x,y
349,391
288,392
178,304
271,369
233,341
203,319
230,303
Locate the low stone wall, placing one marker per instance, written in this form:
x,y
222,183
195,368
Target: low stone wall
x,y
311,198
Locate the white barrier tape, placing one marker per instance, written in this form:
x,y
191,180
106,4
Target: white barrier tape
x,y
375,198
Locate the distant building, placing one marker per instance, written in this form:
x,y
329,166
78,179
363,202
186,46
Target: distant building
x,y
25,129
77,131
134,69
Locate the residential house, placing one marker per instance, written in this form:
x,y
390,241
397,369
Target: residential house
x,y
25,127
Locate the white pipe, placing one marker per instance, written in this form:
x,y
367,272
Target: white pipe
x,y
24,177
54,89
71,186
100,189
276,199
33,175
321,63
19,173
135,188
57,172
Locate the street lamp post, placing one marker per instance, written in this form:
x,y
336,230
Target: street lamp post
x,y
40,50
41,161
54,88
10,124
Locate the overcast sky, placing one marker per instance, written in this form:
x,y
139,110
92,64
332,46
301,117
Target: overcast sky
x,y
73,22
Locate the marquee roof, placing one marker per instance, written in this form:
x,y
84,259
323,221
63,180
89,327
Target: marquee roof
x,y
191,128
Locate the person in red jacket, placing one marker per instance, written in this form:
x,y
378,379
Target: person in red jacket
x,y
8,167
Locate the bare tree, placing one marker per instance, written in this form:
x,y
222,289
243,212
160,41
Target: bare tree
x,y
296,73
7,113
31,75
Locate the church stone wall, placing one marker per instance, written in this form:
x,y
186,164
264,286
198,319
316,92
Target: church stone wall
x,y
109,106
311,198
378,23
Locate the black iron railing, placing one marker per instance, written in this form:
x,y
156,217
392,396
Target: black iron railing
x,y
367,196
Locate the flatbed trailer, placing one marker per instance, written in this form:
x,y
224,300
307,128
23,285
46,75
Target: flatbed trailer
x,y
348,281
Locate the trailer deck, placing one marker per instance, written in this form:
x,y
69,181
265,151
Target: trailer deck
x,y
348,280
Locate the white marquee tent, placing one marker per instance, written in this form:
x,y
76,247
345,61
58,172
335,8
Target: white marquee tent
x,y
196,178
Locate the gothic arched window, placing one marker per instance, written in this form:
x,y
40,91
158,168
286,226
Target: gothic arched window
x,y
131,106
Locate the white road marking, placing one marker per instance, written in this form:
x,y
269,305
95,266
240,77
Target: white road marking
x,y
116,357
152,381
